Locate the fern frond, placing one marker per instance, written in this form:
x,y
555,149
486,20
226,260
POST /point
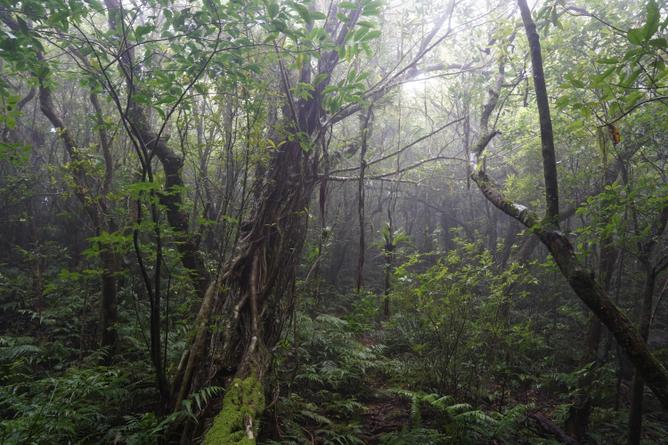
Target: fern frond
x,y
318,418
458,408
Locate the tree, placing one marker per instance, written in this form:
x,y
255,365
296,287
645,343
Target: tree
x,y
206,173
93,194
580,279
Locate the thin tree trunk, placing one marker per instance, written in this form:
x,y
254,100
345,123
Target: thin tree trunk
x,y
108,309
590,292
108,258
638,385
514,230
140,130
389,264
546,135
577,422
364,130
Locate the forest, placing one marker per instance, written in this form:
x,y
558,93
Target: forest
x,y
428,222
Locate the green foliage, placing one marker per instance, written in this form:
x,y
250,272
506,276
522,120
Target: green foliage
x,y
18,356
470,348
625,215
79,405
327,371
454,322
452,422
644,34
630,69
333,359
425,436
198,400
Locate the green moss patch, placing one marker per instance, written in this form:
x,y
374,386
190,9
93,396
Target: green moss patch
x,y
244,399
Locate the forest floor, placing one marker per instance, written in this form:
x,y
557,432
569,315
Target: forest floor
x,y
359,384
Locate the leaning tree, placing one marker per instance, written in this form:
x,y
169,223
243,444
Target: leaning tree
x,y
547,229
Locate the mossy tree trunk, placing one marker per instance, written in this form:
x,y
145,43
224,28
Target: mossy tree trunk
x,y
251,300
256,297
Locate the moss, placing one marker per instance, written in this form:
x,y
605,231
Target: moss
x,y
243,399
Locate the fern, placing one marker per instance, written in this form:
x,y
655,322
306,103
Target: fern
x,y
422,436
18,351
458,419
458,408
476,418
200,399
333,438
438,401
80,403
315,417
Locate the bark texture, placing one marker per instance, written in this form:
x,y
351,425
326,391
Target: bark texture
x,y
546,134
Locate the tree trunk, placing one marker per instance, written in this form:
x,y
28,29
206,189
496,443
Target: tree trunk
x,y
546,135
364,131
109,304
638,385
97,208
585,286
148,140
245,314
513,232
577,422
389,264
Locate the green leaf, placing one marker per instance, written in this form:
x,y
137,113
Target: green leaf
x,y
142,30
135,189
201,88
360,33
272,9
317,80
279,25
628,81
371,35
636,36
317,34
96,5
653,17
371,9
563,102
599,79
577,83
347,5
16,154
633,98
303,12
609,60
659,43
633,53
